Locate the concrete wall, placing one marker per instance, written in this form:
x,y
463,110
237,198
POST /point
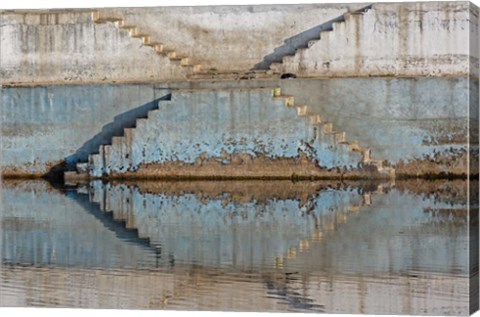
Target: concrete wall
x,y
395,39
66,46
44,126
405,39
231,37
228,126
401,120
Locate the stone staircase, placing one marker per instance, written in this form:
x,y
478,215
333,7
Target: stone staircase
x,y
280,67
167,136
160,48
322,128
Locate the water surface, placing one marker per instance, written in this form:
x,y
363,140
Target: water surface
x,y
253,246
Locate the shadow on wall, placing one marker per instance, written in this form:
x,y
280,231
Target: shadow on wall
x,y
124,120
297,41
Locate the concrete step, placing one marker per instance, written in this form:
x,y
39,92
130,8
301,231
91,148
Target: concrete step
x,y
276,67
288,59
157,46
127,27
366,155
171,54
328,127
325,33
183,61
131,30
106,20
194,69
353,146
337,25
150,113
315,119
82,167
301,50
117,141
377,163
339,136
128,132
276,92
95,15
120,23
144,37
302,110
311,43
288,100
140,124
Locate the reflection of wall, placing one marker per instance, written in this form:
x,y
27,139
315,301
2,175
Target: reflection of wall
x,y
398,232
332,226
216,231
41,226
395,246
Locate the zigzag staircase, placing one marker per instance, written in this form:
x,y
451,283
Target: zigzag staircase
x,y
320,126
159,48
279,67
83,169
321,136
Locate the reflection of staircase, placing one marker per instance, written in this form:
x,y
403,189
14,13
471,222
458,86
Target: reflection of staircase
x,y
159,48
153,140
324,229
322,129
279,67
190,226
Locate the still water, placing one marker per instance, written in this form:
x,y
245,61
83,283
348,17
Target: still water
x,y
252,246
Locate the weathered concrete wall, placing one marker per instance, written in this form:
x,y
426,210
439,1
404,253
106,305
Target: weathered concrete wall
x,y
405,39
401,120
391,39
230,38
66,46
199,132
43,126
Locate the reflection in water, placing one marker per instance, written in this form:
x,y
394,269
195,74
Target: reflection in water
x,y
258,245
